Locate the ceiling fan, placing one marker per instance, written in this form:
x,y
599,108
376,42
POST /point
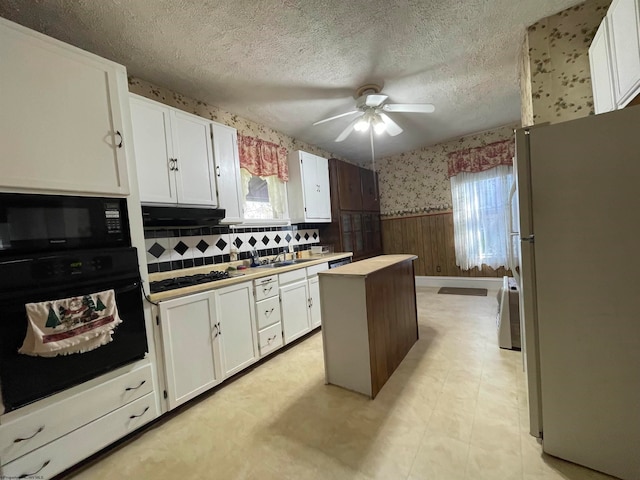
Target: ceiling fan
x,y
372,112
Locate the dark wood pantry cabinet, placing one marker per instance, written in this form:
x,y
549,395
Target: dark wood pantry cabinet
x,y
355,211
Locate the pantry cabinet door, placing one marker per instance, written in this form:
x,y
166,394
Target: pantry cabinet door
x,y
190,346
61,119
153,147
194,159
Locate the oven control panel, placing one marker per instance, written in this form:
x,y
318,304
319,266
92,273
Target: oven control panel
x,y
70,266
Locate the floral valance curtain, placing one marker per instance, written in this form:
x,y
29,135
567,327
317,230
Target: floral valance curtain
x,y
480,159
262,158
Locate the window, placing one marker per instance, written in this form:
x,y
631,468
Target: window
x,y
264,197
480,217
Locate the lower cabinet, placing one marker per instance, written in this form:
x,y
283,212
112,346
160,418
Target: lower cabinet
x,y
191,348
236,327
207,337
314,302
295,303
55,433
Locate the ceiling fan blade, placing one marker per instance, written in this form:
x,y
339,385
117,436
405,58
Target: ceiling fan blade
x,y
393,128
375,99
337,116
347,131
409,107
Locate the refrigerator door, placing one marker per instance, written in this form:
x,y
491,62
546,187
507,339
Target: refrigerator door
x,y
585,206
528,314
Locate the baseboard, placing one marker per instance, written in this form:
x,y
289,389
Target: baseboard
x,y
492,283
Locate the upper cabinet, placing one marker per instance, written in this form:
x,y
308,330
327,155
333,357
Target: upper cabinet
x,y
308,188
369,187
614,56
225,155
62,116
601,72
174,155
349,186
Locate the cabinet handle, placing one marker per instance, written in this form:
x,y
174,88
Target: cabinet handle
x,y
267,290
119,145
27,475
219,329
131,417
172,166
18,440
215,335
217,170
175,164
309,302
135,388
267,313
271,339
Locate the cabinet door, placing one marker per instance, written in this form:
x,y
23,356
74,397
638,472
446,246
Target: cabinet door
x,y
314,301
190,344
346,232
601,71
153,147
225,156
295,310
370,198
194,159
349,186
624,25
61,121
315,180
236,327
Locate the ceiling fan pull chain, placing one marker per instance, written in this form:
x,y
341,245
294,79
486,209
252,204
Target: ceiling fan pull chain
x,y
373,165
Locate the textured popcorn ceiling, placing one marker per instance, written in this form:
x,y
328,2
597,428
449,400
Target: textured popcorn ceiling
x,y
287,64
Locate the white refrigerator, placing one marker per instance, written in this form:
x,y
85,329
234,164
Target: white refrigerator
x,y
579,204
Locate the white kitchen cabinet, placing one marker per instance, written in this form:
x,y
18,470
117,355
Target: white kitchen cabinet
x,y
623,18
190,339
295,304
174,155
227,163
314,302
308,188
601,71
236,326
314,293
62,116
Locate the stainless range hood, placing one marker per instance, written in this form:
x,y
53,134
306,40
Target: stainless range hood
x,y
180,217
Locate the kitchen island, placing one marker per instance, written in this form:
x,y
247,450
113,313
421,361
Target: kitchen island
x,y
369,320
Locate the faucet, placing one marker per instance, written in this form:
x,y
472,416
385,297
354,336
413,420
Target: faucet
x,y
255,258
284,256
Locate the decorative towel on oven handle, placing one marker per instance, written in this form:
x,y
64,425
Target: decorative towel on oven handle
x,y
70,325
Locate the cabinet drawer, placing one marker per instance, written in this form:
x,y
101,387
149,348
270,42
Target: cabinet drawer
x,y
268,312
314,269
68,450
293,276
266,287
24,434
270,339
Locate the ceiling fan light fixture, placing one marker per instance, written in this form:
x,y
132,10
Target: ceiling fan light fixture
x,y
378,125
362,125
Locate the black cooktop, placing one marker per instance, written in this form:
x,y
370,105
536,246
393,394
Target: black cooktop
x,y
179,282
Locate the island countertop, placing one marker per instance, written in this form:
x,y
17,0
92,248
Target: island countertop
x,y
368,266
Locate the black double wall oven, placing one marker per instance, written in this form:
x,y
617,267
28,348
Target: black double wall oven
x,y
59,247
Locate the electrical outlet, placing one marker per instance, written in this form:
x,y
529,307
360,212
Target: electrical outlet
x,y
438,269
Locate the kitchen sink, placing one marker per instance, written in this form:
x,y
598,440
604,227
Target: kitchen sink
x,y
285,263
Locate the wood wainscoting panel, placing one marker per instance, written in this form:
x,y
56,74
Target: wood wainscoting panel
x,y
431,238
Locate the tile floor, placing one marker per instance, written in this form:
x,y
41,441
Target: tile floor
x,y
455,409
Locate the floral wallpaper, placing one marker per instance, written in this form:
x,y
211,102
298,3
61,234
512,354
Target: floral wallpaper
x,y
417,182
243,125
559,62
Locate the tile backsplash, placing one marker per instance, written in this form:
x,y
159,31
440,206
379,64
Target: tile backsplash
x,y
174,249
